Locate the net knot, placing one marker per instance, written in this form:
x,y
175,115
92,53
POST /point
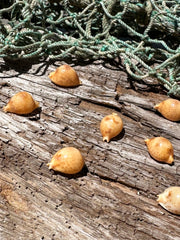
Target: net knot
x,y
104,48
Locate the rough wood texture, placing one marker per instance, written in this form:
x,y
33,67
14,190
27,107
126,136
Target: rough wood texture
x,y
114,197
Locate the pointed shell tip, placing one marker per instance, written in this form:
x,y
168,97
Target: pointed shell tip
x,y
156,106
106,139
170,159
51,75
49,165
5,109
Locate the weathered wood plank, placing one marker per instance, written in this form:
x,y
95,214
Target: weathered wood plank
x,y
114,197
85,208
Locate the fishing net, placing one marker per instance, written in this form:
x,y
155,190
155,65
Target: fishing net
x,y
145,35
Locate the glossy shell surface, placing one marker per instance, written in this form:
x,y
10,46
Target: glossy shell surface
x,y
160,149
170,199
65,76
111,126
67,160
21,103
170,109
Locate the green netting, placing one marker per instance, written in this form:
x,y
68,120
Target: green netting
x,y
145,35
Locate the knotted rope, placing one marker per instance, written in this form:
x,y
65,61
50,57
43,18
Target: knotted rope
x,y
140,32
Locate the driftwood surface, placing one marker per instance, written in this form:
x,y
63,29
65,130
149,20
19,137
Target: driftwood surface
x,y
114,196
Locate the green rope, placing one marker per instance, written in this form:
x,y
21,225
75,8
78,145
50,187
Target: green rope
x,y
140,32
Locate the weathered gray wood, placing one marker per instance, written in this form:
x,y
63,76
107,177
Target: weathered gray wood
x,y
114,197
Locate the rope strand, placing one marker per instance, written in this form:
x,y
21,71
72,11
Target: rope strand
x,y
141,32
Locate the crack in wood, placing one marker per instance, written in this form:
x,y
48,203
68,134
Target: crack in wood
x,y
114,195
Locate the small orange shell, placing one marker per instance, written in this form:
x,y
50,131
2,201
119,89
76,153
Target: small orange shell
x,y
65,76
67,160
110,126
170,199
21,103
170,109
160,149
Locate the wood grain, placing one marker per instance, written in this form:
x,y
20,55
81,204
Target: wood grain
x,y
114,197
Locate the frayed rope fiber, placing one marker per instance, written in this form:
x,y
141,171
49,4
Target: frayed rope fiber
x,y
145,34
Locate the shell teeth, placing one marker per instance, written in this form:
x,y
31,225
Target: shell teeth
x,y
162,205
